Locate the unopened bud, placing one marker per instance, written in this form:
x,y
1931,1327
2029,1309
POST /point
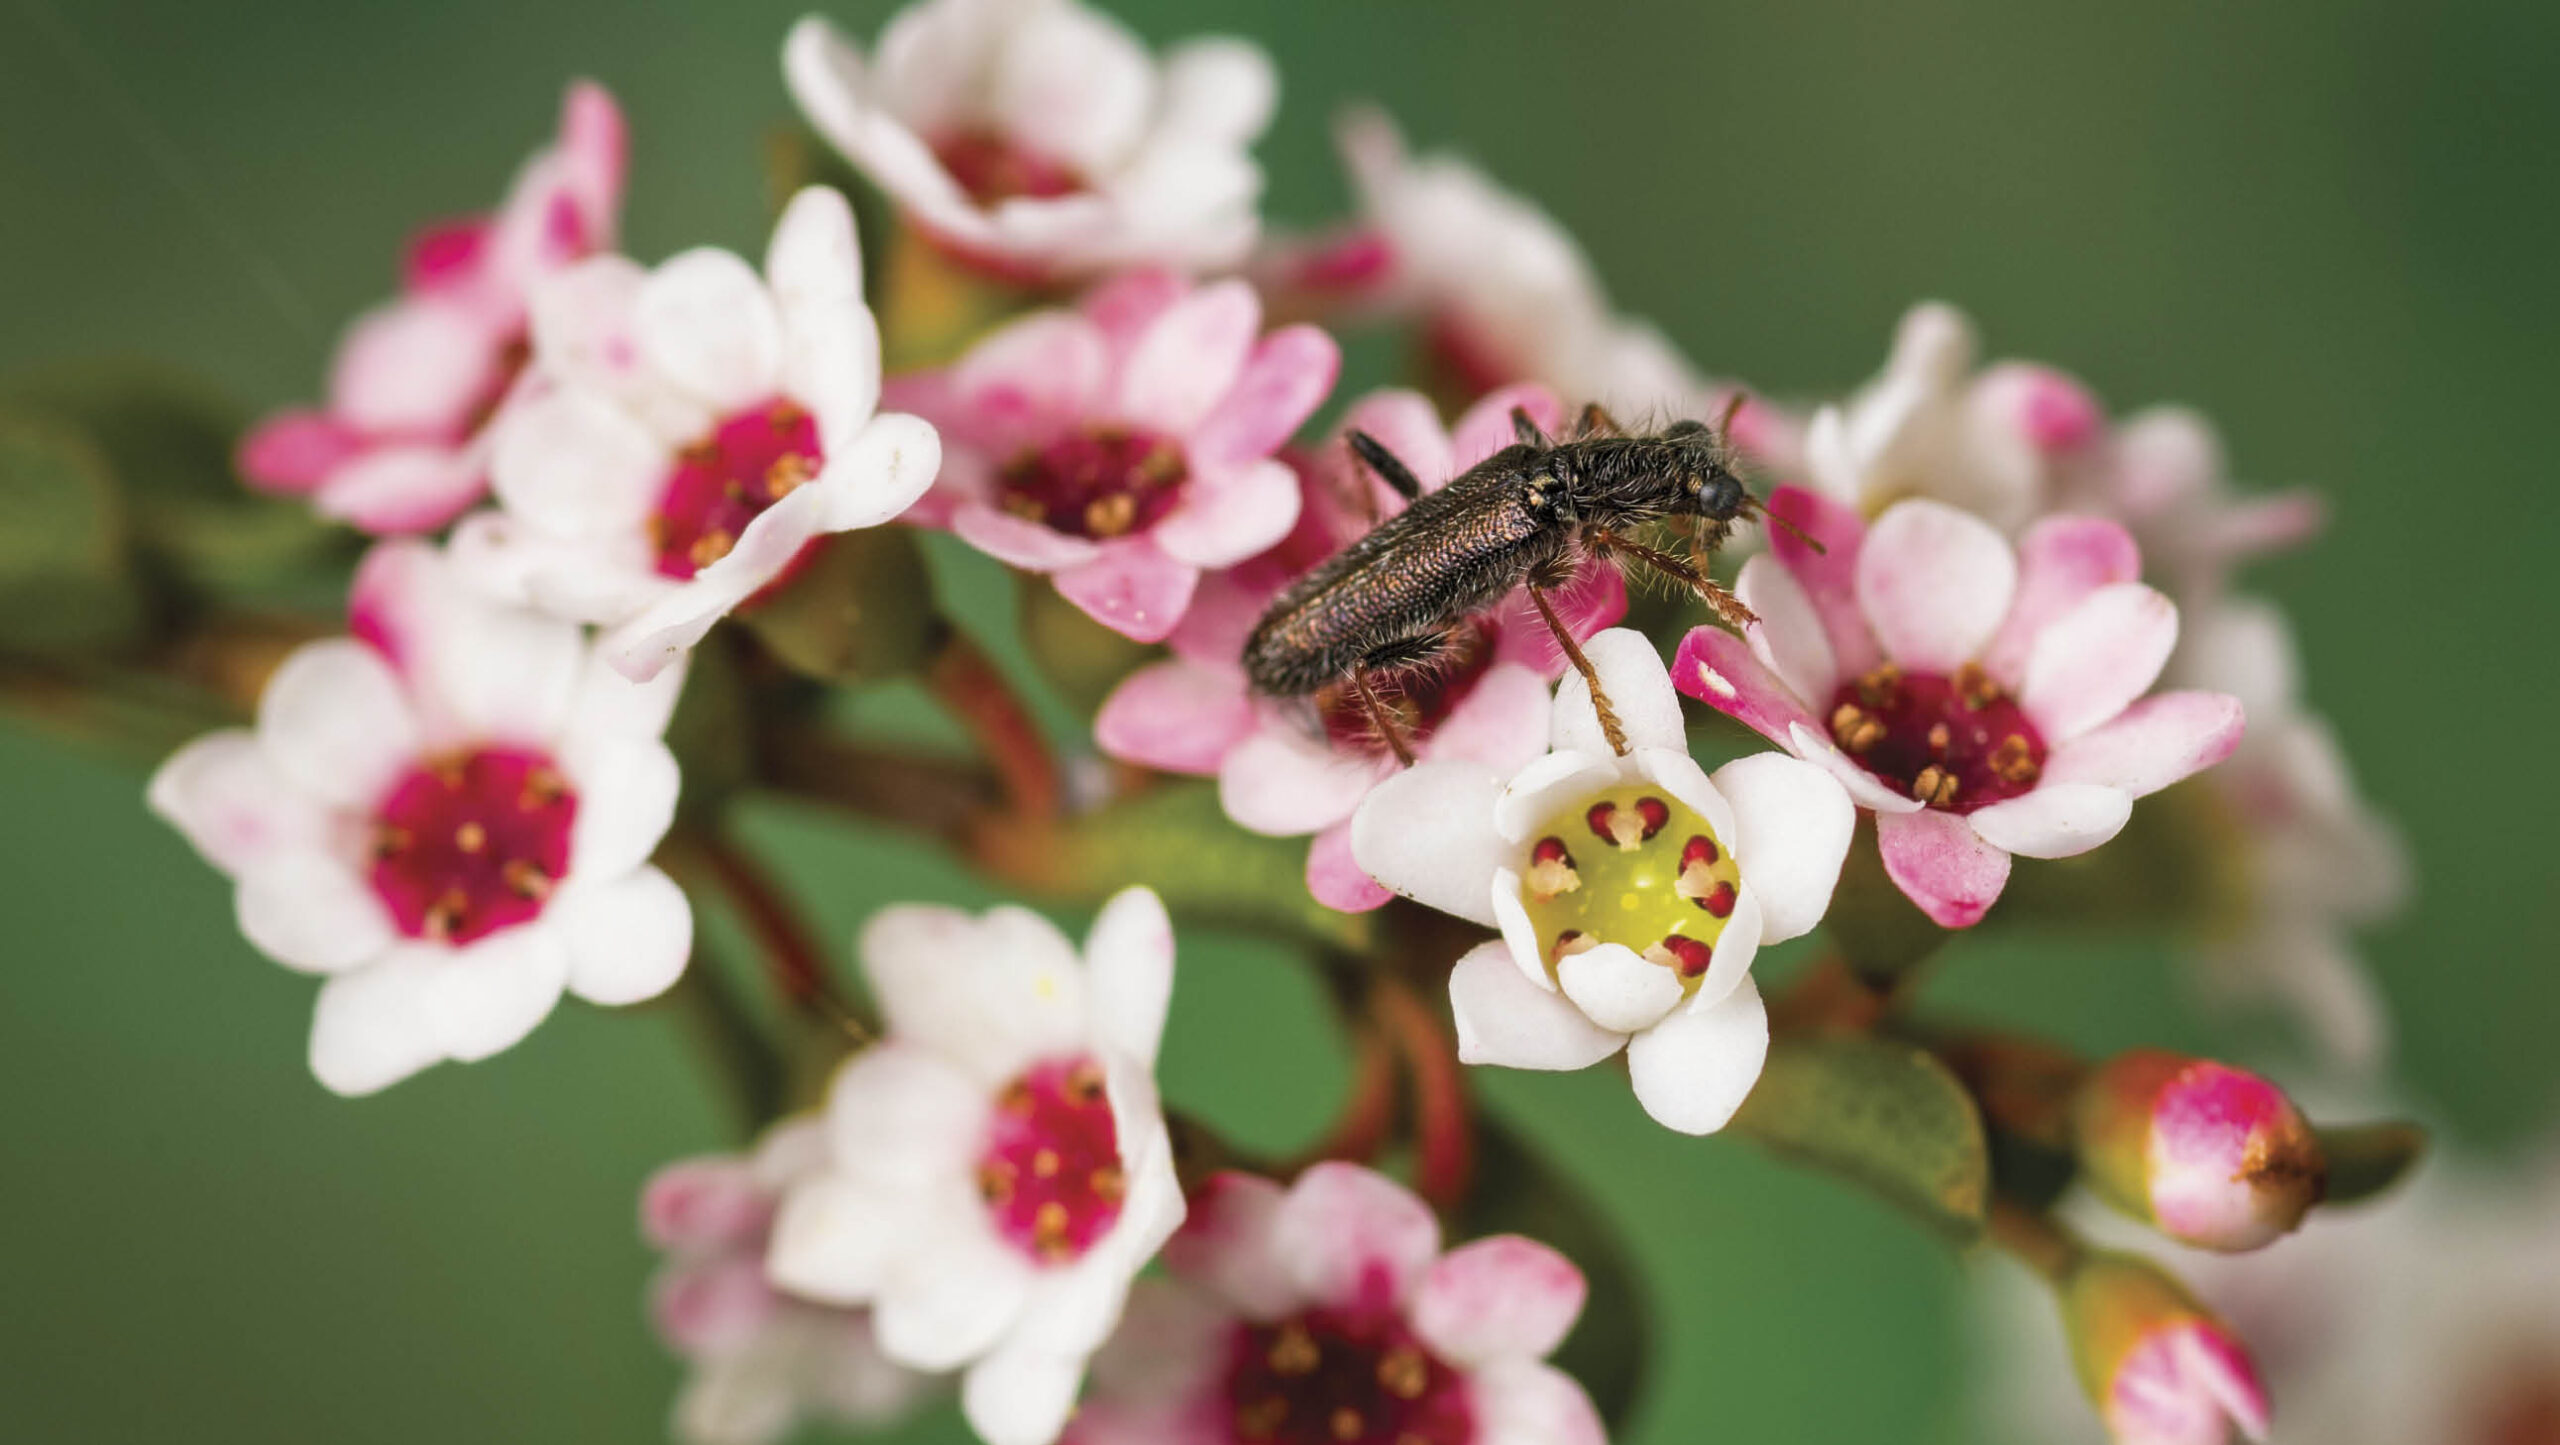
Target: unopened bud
x,y
2211,1156
2161,1369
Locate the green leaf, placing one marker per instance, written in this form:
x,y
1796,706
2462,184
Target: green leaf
x,y
64,584
858,609
1881,1113
2366,1159
1517,1192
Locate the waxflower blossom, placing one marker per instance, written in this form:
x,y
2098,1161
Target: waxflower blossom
x,y
1128,445
419,383
1039,139
1285,773
1328,1312
998,1167
2212,1156
1632,889
700,427
1981,700
762,1362
2161,1369
449,816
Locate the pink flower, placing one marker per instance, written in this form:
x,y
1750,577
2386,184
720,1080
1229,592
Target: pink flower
x,y
1982,700
2165,478
701,425
1038,138
762,1362
1127,446
403,443
2212,1156
1285,771
998,1167
449,816
1328,1313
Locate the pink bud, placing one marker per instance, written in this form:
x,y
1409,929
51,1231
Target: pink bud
x,y
2212,1156
2161,1369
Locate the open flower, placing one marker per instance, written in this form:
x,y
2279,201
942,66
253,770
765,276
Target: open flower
x,y
1982,701
1286,769
998,1168
402,444
700,426
1327,1312
1632,890
1038,138
762,1362
1126,446
449,815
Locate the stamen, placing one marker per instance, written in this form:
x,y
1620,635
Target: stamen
x,y
1404,1373
1685,956
525,879
1551,869
1347,1424
2015,760
1295,1352
471,837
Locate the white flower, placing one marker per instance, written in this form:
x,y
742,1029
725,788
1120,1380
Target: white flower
x,y
761,1361
1632,891
1039,137
701,426
449,815
999,1167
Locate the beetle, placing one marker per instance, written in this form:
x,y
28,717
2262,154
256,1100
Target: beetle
x,y
1527,516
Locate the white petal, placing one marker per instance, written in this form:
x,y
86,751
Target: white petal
x,y
899,1113
1638,688
628,939
663,633
815,254
232,802
1353,1237
1677,773
488,995
312,911
1072,80
1789,636
608,704
1736,948
1020,1396
1529,1402
1617,990
1428,834
376,1026
1792,825
831,365
1129,959
834,1239
1217,89
1503,1298
991,993
626,791
950,1296
336,721
2057,820
497,674
1934,583
1692,1070
574,464
1505,1020
706,322
1550,783
891,462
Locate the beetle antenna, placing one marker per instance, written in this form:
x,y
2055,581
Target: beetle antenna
x,y
1760,512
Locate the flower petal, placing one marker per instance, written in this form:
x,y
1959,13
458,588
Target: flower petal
x,y
1228,1247
1021,1396
231,801
1129,962
1428,834
1228,515
1334,877
1502,722
1217,89
669,627
1934,584
2056,820
1864,788
571,462
313,912
1133,588
1177,716
626,791
950,1296
1189,358
1019,541
2157,741
831,346
1941,864
410,368
403,490
1616,990
375,1026
1829,575
1284,379
490,994
706,322
900,1114
1508,1022
1537,790
1031,378
1792,825
1693,1069
1789,636
1530,1402
1502,1298
2097,658
834,1239
335,720
1485,427
1352,1237
292,452
1070,78
889,466
628,938
1282,783
1719,669
2061,560
1638,688
715,1199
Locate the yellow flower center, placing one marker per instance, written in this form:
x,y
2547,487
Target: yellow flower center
x,y
1636,866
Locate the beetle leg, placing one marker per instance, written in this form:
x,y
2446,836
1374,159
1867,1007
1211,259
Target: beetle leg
x,y
1389,467
1524,429
1725,604
1379,717
1610,727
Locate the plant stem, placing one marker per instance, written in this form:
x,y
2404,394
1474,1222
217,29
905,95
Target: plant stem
x,y
792,958
737,1050
2034,1240
1443,1116
976,691
1359,1134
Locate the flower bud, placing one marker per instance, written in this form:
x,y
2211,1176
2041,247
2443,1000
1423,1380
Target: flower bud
x,y
2161,1369
2211,1156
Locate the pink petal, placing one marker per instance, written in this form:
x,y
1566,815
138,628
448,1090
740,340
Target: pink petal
x,y
446,257
1938,862
293,452
1829,576
1502,722
2061,560
1486,427
2048,410
2056,820
231,802
1019,541
412,367
1179,717
398,491
1526,1402
694,1203
594,151
1222,615
2096,659
1353,1237
1789,636
1131,588
1035,375
2155,742
713,1306
1593,601
1284,782
1189,358
1718,669
1227,1245
1284,380
1226,516
1407,424
1934,583
1334,877
1129,303
1500,1298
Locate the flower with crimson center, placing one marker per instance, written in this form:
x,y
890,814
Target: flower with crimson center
x,y
402,444
449,815
1632,890
1327,1314
1285,774
1039,141
698,428
1128,446
1981,700
997,1166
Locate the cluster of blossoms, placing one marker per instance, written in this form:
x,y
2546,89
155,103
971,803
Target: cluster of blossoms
x,y
1955,638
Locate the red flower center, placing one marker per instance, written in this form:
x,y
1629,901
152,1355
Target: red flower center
x,y
751,460
470,843
1415,700
1957,742
994,167
1102,482
1051,1172
1330,1377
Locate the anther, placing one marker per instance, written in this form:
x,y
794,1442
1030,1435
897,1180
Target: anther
x,y
1083,1084
1108,1183
1110,516
1347,1424
1853,729
470,837
704,454
995,1181
710,547
1939,738
1044,1164
390,842
1878,687
1551,869
542,788
1934,786
1404,1373
1049,1229
525,878
1016,1098
1262,1419
1975,687
1295,1352
782,416
1573,941
787,474
1685,956
2015,760
445,915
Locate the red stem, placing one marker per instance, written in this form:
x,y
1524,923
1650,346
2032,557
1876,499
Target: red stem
x,y
1443,1121
1368,1115
969,683
792,957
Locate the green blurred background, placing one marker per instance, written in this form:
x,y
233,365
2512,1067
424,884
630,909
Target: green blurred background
x,y
2330,223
